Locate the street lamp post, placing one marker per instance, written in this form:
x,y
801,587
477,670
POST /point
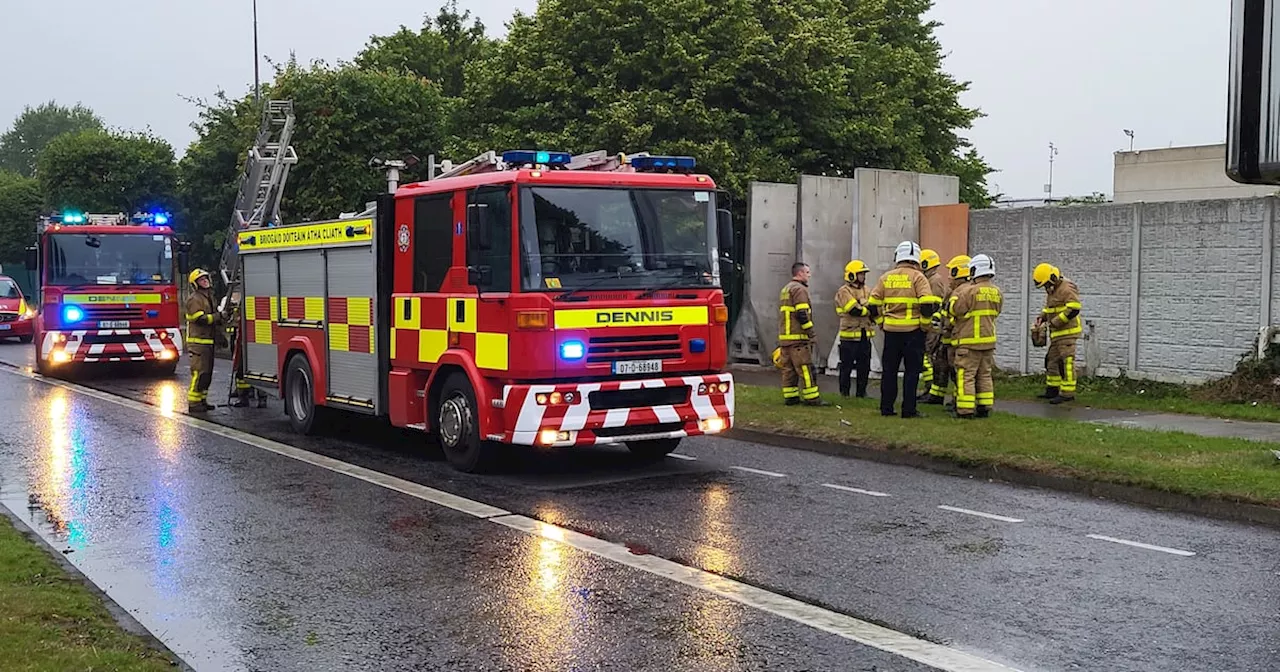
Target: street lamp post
x,y
1048,188
1129,132
257,90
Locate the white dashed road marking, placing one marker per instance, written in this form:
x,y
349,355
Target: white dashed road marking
x,y
980,514
762,472
859,491
1139,544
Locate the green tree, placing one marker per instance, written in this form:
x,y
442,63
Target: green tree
x,y
35,128
346,115
754,89
20,206
440,51
97,171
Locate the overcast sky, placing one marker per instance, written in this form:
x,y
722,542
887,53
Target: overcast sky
x,y
1072,73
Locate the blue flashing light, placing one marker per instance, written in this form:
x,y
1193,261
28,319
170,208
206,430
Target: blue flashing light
x,y
656,163
572,351
73,218
539,158
72,314
161,218
698,345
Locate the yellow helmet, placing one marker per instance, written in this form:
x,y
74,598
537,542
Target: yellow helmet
x,y
777,357
197,274
959,266
853,268
928,259
1046,274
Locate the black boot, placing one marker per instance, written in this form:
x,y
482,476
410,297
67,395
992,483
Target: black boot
x,y
1061,399
793,402
1049,393
984,412
932,400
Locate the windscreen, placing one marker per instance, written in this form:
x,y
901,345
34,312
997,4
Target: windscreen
x,y
618,238
115,259
9,289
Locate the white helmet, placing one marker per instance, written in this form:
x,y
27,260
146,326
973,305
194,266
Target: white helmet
x,y
981,266
907,251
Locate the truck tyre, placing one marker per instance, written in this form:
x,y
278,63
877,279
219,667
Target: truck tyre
x,y
653,449
166,369
299,397
457,424
26,339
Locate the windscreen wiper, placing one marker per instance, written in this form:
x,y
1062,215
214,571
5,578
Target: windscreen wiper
x,y
563,296
692,273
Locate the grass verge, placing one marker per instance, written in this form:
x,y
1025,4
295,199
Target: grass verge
x,y
50,622
1144,395
1230,469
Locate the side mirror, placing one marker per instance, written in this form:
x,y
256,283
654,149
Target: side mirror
x,y
184,258
724,232
33,258
476,230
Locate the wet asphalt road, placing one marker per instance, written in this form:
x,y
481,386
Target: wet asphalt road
x,y
239,558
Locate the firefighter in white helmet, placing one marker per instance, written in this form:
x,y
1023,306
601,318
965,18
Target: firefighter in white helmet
x,y
902,303
973,310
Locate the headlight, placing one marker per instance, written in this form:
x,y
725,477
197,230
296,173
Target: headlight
x,y
30,314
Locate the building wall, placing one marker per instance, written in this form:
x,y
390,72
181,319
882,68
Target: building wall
x,y
1177,174
1171,291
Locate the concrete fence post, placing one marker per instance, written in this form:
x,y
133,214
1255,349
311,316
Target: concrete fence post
x,y
1135,286
1268,261
1026,289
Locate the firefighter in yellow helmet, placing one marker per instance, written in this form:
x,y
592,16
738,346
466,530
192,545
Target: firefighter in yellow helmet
x,y
795,338
945,372
204,333
856,327
1062,312
973,311
929,264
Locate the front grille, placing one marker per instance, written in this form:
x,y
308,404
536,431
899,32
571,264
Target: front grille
x,y
116,312
635,430
8,317
603,400
93,338
613,348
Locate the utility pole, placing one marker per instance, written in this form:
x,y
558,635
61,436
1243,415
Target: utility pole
x,y
1129,133
1048,188
257,87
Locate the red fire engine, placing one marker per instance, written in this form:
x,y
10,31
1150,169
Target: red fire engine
x,y
108,291
531,298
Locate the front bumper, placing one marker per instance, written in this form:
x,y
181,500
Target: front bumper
x,y
616,411
16,328
120,345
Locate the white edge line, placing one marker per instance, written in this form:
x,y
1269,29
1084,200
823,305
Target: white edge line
x,y
859,491
678,456
841,625
992,516
1139,544
762,472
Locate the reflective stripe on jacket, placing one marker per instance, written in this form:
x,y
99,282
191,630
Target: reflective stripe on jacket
x,y
899,295
851,306
974,308
795,322
1064,298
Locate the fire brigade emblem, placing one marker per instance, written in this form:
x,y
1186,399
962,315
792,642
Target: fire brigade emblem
x,y
402,238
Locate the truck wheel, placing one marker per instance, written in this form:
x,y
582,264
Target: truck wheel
x,y
299,397
653,449
167,369
457,425
26,339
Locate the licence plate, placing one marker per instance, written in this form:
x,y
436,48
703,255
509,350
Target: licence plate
x,y
5,327
637,366
114,324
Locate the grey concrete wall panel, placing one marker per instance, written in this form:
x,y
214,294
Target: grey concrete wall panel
x,y
352,274
301,274
1092,245
938,190
999,234
826,242
259,278
771,249
888,214
1201,290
